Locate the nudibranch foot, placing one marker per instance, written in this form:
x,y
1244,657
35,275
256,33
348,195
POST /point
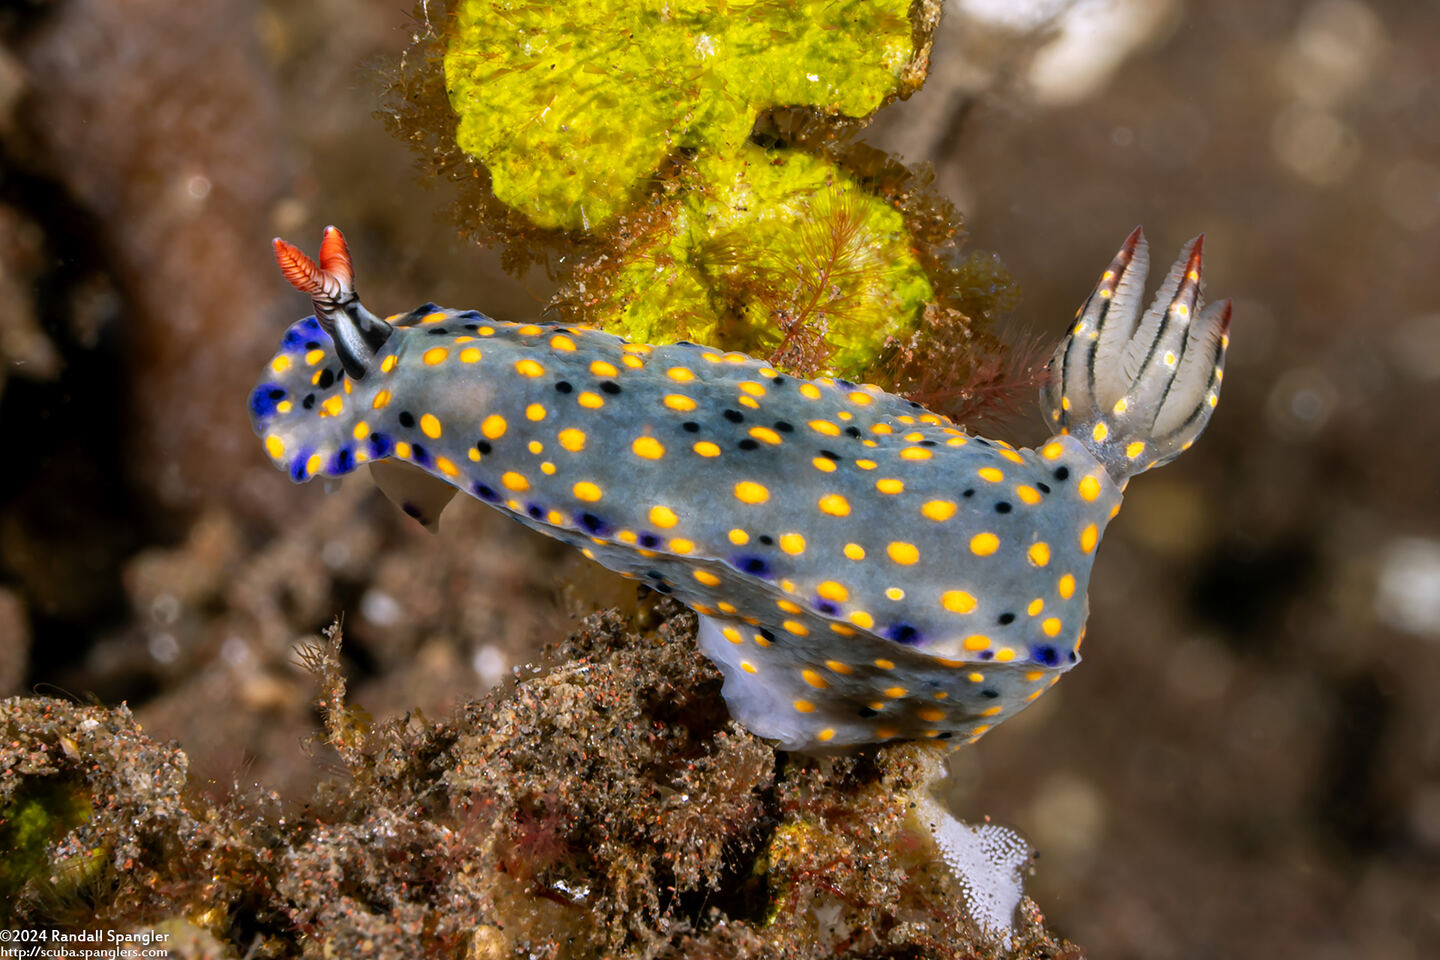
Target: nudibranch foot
x,y
1137,390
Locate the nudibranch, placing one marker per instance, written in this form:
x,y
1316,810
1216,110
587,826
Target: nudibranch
x,y
863,569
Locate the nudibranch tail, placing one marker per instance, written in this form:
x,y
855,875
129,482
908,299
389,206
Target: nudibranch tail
x,y
358,333
1137,390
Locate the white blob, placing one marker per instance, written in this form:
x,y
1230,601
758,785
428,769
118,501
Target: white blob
x,y
987,859
1407,591
490,664
380,608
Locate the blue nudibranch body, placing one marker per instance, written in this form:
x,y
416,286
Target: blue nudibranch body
x,y
864,570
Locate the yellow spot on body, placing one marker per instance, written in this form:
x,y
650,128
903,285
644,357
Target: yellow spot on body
x,y
590,401
1052,451
280,364
733,635
1004,655
648,447
603,369
890,485
984,544
726,607
894,593
1035,606
992,711
884,664
706,449
759,640
1121,406
1039,553
885,733
1034,675
792,543
469,355
765,434
895,693
707,578
514,481
830,590
957,601
750,402
275,446
838,667
361,431
739,537
473,454
903,553
1134,449
284,406
1067,586
930,714
402,450
916,453
824,464
712,358
528,330
841,629
430,426
747,666
1090,487
1051,626
866,464
804,706
854,551
1012,456
814,679
434,317
585,490
991,474
977,641
529,368
562,342
681,545
748,491
825,735
636,347
834,504
571,439
314,357
809,391
824,426
752,388
435,356
938,510
1089,537
860,398
680,374
799,629
862,619
881,428
663,517
494,426
678,401
447,467
332,406
1100,432
634,363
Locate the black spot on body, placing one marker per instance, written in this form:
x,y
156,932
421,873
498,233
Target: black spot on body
x,y
327,379
784,426
486,493
747,444
747,563
767,634
1003,507
853,432
1005,619
1062,473
380,446
343,461
610,387
590,522
1042,487
1046,654
690,426
564,386
483,446
766,539
868,712
276,394
830,455
419,454
734,416
438,331
535,512
902,633
407,419
312,344
309,402
778,380
664,588
649,540
989,694
826,607
969,493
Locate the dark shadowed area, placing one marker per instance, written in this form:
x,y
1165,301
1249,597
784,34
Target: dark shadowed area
x,y
1247,764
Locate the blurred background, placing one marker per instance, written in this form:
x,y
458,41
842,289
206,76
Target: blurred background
x,y
1248,762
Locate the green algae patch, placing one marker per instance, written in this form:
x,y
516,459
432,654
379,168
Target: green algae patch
x,y
573,107
40,813
776,253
